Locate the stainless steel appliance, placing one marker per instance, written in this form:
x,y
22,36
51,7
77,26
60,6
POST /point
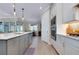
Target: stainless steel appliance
x,y
53,28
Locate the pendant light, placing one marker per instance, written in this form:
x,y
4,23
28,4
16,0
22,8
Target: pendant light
x,y
22,13
14,10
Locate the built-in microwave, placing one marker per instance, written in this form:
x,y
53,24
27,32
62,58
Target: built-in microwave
x,y
53,28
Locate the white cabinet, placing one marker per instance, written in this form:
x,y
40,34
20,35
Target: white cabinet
x,y
3,47
66,45
30,38
12,46
15,45
68,11
71,46
53,10
26,41
21,47
60,44
45,26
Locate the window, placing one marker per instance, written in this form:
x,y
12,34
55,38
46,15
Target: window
x,y
34,28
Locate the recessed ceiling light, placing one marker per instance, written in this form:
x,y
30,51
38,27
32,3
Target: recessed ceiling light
x,y
13,5
40,8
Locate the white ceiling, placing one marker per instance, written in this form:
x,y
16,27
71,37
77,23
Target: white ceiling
x,y
31,10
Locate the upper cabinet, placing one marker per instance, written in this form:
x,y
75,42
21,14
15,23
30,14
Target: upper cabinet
x,y
76,11
68,12
53,10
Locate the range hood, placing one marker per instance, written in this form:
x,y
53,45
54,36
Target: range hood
x,y
75,15
73,21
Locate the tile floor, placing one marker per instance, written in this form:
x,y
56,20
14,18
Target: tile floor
x,y
39,47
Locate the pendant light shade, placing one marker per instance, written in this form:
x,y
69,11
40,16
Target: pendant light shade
x,y
14,10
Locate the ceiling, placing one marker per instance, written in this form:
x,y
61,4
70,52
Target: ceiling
x,y
32,11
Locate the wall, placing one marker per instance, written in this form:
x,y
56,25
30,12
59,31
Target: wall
x,y
56,9
45,26
59,20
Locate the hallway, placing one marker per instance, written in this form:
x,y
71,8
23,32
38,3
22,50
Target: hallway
x,y
39,47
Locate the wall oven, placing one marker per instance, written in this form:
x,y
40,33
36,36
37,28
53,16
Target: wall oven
x,y
53,28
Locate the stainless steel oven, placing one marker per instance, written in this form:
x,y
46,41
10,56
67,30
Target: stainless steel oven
x,y
53,28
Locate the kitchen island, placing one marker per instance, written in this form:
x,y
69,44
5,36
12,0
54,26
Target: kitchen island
x,y
14,43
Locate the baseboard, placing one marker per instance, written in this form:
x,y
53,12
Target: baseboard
x,y
52,47
55,49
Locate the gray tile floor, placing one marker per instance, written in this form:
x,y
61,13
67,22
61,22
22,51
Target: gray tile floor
x,y
41,48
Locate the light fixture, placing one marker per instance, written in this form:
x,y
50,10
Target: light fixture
x,y
40,8
14,13
22,13
13,5
22,18
14,10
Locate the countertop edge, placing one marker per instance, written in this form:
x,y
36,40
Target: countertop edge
x,y
74,38
18,35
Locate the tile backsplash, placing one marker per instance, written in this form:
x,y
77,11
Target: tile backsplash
x,y
75,25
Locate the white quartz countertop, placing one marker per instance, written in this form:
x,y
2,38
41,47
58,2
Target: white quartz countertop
x,y
6,36
72,37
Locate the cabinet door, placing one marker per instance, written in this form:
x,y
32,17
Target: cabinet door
x,y
71,46
13,46
26,41
60,44
30,38
3,48
21,45
68,11
53,10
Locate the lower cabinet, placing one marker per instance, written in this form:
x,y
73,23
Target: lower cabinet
x,y
71,46
67,45
26,42
17,46
12,46
30,38
21,45
71,50
3,47
60,44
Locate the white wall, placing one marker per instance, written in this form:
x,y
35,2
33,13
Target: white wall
x,y
45,26
59,19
